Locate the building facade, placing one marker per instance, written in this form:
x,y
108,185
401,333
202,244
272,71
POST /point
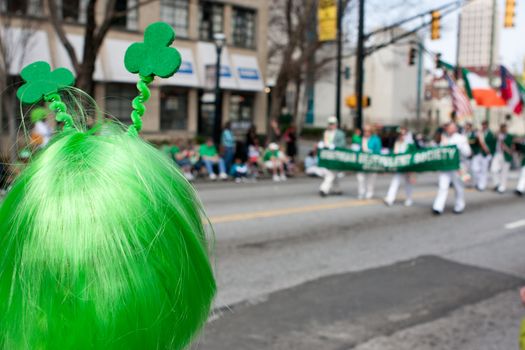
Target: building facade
x,y
475,36
181,106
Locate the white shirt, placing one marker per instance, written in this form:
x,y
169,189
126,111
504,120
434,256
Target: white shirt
x,y
44,130
460,141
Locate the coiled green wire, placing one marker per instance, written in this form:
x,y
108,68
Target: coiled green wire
x,y
138,104
60,110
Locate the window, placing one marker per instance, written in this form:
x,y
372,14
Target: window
x,y
241,110
73,10
118,101
210,20
173,109
126,14
22,7
243,27
176,14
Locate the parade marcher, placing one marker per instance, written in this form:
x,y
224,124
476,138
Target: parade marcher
x,y
402,145
502,159
371,143
448,138
520,188
41,132
483,146
332,137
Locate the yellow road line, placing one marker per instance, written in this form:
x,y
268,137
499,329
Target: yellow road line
x,y
301,210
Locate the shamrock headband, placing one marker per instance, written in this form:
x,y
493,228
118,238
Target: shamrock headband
x,y
153,57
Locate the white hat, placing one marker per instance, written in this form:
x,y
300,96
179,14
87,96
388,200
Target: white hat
x,y
273,146
332,120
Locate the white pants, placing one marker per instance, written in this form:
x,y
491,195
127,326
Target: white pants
x,y
445,178
500,172
521,181
365,185
394,186
480,170
330,182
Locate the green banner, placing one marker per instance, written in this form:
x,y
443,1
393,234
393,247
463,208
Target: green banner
x,y
431,159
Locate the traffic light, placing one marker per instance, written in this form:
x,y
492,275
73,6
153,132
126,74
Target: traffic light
x,y
412,56
435,25
351,101
510,12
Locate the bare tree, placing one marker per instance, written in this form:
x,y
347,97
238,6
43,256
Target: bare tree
x,y
293,43
15,39
94,34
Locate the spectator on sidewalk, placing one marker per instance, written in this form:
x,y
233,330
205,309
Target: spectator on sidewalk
x,y
41,131
183,160
290,138
227,145
254,158
239,170
210,157
273,160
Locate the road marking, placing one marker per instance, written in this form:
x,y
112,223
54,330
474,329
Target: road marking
x,y
301,210
515,224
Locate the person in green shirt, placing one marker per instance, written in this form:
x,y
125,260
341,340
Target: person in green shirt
x,y
210,157
483,145
274,160
502,159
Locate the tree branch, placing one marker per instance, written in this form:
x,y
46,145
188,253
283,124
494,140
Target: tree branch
x,y
58,25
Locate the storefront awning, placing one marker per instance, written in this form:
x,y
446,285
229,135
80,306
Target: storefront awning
x,y
113,53
187,74
207,58
63,60
248,74
24,47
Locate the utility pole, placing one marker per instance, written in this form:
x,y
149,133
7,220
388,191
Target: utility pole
x,y
340,11
360,56
419,82
491,57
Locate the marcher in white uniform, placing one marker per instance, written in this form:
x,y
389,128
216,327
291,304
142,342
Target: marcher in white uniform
x,y
520,189
332,137
502,159
370,143
452,137
402,145
483,149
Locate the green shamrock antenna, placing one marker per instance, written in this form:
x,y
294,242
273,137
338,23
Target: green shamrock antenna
x,y
153,57
43,83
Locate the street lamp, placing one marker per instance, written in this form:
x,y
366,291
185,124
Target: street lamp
x,y
220,41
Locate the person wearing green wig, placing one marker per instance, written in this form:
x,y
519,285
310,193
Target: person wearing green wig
x,y
103,240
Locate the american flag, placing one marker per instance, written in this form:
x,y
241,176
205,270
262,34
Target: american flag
x,y
460,101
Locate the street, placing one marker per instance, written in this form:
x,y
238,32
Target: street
x,y
296,271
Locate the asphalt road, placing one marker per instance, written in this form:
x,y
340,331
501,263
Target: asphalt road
x,y
296,271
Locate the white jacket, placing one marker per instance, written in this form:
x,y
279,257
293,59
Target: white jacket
x,y
460,141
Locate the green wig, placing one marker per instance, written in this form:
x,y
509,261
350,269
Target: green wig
x,y
103,242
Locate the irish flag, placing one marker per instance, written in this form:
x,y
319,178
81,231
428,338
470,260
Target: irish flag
x,y
477,87
511,91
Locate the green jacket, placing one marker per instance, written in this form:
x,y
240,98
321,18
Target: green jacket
x,y
508,141
490,141
473,141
